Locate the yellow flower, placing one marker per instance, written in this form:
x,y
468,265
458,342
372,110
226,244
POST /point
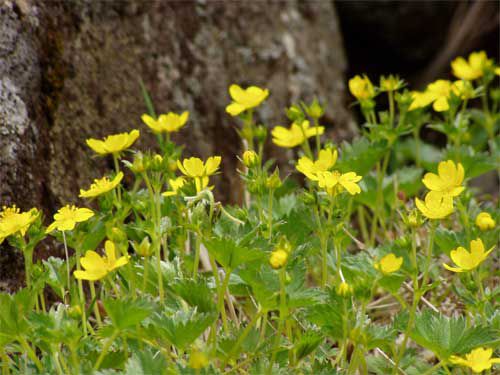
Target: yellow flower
x,y
67,217
244,99
101,186
96,267
478,360
170,122
463,89
435,205
420,100
484,221
199,171
448,181
296,135
465,260
361,88
198,360
278,258
113,144
473,68
326,160
497,71
13,221
389,263
334,181
344,289
175,185
250,158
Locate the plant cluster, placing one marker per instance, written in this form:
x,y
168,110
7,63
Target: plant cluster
x,y
375,256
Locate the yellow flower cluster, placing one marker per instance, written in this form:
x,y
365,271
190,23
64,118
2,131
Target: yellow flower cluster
x,y
101,186
199,171
113,144
390,263
439,93
438,203
296,135
12,221
478,360
473,68
332,181
244,99
468,260
96,267
166,123
67,217
361,88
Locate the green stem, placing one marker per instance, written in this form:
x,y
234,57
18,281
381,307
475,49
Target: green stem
x,y
196,262
67,260
270,213
80,294
220,301
96,307
430,248
244,334
105,349
117,169
282,316
31,353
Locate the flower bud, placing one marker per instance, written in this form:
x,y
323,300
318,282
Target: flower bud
x,y
261,133
144,248
138,165
273,181
278,258
344,289
315,110
250,158
485,222
198,360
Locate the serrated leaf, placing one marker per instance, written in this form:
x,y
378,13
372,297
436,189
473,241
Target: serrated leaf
x,y
127,313
181,328
196,293
446,336
307,344
230,254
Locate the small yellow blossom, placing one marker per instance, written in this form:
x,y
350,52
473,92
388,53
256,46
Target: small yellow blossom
x,y
113,144
244,99
448,181
389,263
198,360
485,222
199,171
361,88
296,135
435,205
326,160
175,185
278,258
250,158
473,68
67,217
101,186
13,221
465,260
497,71
478,360
96,267
420,100
334,181
169,122
463,89
344,289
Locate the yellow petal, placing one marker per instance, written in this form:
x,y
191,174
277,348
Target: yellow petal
x,y
452,269
212,164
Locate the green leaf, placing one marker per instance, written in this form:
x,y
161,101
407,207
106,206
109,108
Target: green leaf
x,y
196,293
13,312
307,344
146,363
360,156
128,312
181,328
447,336
230,254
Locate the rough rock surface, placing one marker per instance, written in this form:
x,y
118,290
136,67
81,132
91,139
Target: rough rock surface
x,y
71,70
